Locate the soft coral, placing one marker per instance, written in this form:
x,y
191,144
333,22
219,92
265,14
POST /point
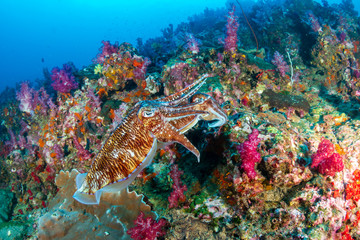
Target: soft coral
x,y
249,155
147,228
177,195
63,79
106,51
325,160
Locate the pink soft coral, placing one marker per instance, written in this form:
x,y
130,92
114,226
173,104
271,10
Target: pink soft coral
x,y
31,99
280,63
82,153
178,193
140,67
231,32
325,160
63,79
192,43
249,155
106,51
147,228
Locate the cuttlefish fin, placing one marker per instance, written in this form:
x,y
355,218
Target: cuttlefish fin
x,y
171,134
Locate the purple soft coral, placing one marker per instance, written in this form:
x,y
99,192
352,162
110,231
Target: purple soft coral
x,y
280,63
147,228
249,155
192,43
63,79
25,96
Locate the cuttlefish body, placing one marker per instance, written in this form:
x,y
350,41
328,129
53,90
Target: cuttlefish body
x,y
149,125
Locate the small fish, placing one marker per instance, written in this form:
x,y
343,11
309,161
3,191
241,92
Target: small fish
x,y
149,126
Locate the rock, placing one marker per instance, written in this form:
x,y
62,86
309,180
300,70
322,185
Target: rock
x,y
13,231
6,207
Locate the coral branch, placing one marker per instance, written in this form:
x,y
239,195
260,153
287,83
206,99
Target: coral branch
x,y
325,160
147,228
249,155
177,195
231,32
63,79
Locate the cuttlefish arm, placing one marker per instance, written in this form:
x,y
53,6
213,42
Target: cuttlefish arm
x,y
155,118
212,112
208,104
124,155
183,96
170,134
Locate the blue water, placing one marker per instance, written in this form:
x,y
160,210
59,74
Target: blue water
x,y
38,34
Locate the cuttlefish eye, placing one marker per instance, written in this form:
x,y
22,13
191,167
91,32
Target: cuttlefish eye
x,y
149,113
198,98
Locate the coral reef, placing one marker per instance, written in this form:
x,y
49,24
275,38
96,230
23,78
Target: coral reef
x,y
7,204
284,166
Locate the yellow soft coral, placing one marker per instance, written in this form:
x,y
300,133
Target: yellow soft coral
x,y
98,69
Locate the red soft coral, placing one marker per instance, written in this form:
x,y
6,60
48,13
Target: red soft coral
x,y
353,187
82,153
325,160
147,228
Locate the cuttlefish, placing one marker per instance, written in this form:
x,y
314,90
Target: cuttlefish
x,y
149,125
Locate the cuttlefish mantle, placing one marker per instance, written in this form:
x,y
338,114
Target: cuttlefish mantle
x,y
148,126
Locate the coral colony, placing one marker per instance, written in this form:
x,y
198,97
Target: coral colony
x,y
195,134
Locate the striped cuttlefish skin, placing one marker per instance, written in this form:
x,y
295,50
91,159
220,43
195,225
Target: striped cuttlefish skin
x,y
148,126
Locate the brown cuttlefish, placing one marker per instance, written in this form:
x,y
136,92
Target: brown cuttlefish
x,y
149,125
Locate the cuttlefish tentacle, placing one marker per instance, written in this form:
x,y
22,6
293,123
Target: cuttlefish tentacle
x,y
148,126
179,114
183,95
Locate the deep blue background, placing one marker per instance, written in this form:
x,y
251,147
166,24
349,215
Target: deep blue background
x,y
72,30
